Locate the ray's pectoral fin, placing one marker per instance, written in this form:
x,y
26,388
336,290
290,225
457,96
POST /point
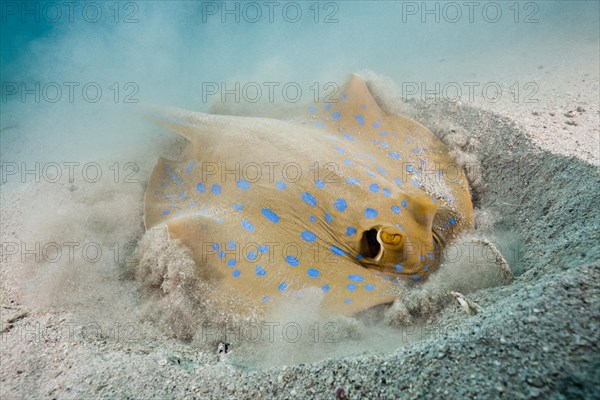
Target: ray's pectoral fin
x,y
217,218
197,127
155,205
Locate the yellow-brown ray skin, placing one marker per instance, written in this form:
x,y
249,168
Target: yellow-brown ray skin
x,y
216,139
250,287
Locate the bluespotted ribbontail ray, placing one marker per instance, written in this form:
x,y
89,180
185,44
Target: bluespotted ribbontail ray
x,y
345,197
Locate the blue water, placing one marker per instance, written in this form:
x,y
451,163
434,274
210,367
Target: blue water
x,y
169,49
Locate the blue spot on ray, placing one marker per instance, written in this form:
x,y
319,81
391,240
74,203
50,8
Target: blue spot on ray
x,y
352,181
360,119
190,167
308,236
371,213
335,115
337,251
260,271
243,184
309,199
319,183
356,278
282,286
396,209
374,188
247,225
281,185
328,217
238,207
292,261
270,215
340,205
381,170
200,188
313,273
215,189
351,286
350,231
236,273
173,176
326,288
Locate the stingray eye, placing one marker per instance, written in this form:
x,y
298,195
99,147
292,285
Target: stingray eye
x,y
391,238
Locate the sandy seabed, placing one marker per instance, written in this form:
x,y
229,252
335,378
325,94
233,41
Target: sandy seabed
x,y
100,333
